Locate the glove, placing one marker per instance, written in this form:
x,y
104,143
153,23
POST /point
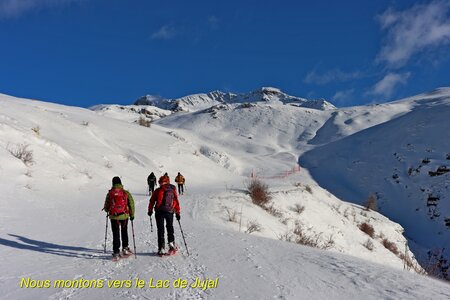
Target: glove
x,y
150,213
178,217
132,218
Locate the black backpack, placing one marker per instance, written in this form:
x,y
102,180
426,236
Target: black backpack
x,y
151,179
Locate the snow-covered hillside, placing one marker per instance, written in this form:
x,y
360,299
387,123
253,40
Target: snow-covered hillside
x,y
131,113
392,150
52,226
404,161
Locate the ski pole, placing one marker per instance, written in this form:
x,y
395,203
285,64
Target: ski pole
x,y
106,233
182,234
151,224
134,241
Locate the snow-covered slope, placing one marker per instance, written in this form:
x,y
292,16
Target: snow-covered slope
x,y
52,226
397,160
354,152
273,135
265,137
131,113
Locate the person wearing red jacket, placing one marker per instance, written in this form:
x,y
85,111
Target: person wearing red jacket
x,y
165,203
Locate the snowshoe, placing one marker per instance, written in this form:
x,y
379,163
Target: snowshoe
x,y
116,257
172,249
126,252
162,252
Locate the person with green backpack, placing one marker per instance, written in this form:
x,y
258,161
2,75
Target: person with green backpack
x,y
119,205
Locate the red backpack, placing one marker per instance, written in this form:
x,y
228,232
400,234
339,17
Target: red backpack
x,y
167,199
118,202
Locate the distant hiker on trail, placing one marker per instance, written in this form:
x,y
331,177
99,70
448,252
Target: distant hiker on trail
x,y
165,202
119,205
180,181
151,181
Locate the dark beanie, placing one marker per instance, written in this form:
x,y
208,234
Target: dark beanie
x,y
116,180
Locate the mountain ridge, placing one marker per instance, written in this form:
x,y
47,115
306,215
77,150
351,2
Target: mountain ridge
x,y
203,100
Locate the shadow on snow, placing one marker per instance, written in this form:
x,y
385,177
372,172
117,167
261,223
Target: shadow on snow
x,y
25,243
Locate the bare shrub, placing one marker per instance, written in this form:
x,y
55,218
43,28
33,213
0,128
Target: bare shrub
x,y
297,184
371,203
302,238
368,244
437,265
410,264
252,226
308,189
287,236
328,243
346,213
144,122
367,229
232,215
259,192
336,207
273,211
285,221
298,208
390,246
21,152
36,130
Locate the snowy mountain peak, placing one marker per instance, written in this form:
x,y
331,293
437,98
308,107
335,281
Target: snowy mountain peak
x,y
274,95
203,101
320,104
267,94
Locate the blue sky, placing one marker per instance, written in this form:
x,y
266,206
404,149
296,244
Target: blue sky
x,y
86,52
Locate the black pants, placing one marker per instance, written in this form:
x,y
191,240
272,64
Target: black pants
x,y
180,188
160,216
119,227
151,188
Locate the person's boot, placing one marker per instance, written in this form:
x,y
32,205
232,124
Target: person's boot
x,y
116,256
172,248
161,251
126,251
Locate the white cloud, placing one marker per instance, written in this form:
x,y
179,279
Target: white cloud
x,y
166,32
408,32
343,97
16,8
330,76
213,22
386,86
